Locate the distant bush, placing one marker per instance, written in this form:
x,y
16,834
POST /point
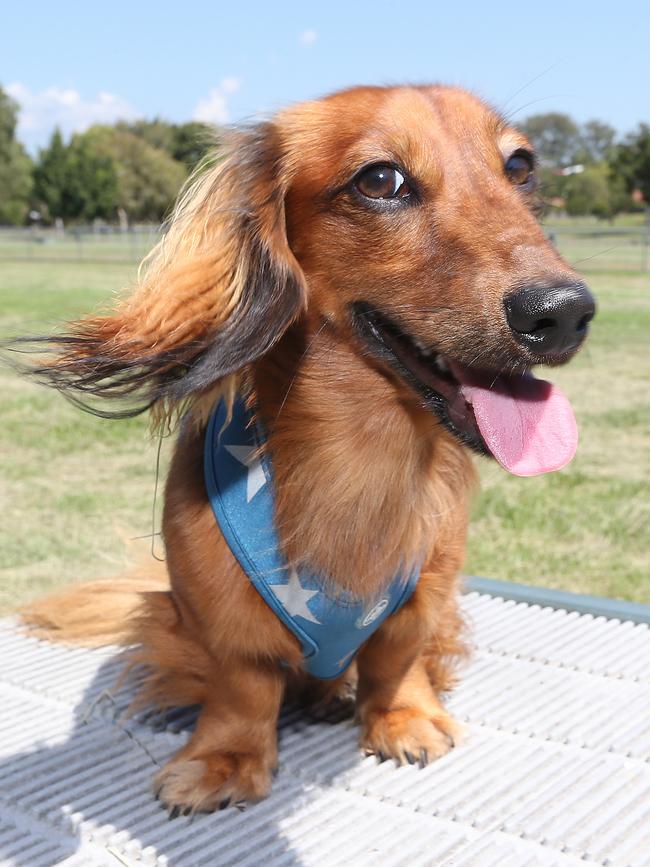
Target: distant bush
x,y
596,191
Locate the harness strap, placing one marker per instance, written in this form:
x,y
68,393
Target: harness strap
x,y
330,626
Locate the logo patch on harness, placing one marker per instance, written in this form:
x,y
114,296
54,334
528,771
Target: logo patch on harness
x,y
375,612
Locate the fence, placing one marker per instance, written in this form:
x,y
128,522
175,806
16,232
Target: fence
x,y
603,248
93,244
590,248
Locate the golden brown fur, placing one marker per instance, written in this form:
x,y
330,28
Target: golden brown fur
x,y
252,286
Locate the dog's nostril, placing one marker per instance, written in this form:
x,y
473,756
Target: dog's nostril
x,y
541,324
550,320
584,322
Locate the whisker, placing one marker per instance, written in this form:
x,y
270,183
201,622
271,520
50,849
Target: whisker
x,y
528,84
508,117
600,253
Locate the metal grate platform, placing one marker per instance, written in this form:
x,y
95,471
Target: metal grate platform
x,y
555,769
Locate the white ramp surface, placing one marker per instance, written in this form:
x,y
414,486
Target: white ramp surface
x,y
555,769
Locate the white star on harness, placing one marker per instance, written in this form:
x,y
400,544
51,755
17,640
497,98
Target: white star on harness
x,y
294,598
248,456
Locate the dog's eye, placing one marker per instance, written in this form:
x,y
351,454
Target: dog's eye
x,y
519,167
382,182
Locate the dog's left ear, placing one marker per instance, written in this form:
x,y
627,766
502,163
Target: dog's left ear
x,y
218,291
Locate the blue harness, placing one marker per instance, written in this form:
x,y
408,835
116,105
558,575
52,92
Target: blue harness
x,y
331,627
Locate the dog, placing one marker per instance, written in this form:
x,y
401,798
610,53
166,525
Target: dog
x,y
358,288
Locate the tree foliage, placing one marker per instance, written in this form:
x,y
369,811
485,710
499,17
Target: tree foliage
x,y
74,181
632,160
556,137
559,141
103,170
595,191
148,179
187,142
15,166
596,142
610,171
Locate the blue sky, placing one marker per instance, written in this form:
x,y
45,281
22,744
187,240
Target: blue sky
x,y
72,64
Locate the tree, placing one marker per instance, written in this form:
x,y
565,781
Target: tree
x,y
148,179
555,136
186,143
632,161
74,182
94,182
15,166
597,192
51,176
157,133
596,142
193,141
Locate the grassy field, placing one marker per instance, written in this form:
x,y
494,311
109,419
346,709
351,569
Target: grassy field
x,y
73,488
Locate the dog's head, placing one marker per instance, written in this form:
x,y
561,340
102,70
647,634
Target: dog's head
x,y
412,211
402,217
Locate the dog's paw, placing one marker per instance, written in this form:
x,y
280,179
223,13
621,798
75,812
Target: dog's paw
x,y
408,735
333,701
212,782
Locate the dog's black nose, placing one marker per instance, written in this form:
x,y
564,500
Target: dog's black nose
x,y
550,320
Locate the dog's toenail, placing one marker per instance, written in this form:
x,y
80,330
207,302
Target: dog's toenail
x,y
410,758
424,758
224,803
174,812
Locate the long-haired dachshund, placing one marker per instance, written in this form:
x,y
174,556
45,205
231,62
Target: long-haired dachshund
x,y
344,307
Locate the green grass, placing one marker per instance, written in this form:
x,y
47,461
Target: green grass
x,y
73,487
586,528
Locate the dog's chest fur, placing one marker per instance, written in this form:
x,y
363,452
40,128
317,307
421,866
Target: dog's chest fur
x,y
365,479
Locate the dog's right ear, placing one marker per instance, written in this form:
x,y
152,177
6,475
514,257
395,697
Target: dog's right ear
x,y
217,292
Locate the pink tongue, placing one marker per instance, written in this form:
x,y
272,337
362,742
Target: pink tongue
x,y
527,423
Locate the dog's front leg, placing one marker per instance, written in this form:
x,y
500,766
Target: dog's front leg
x,y
233,752
401,716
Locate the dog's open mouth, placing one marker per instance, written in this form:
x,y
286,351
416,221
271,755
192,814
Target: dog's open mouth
x,y
526,423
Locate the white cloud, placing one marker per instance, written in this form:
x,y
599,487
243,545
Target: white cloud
x,y
41,111
214,107
308,37
230,84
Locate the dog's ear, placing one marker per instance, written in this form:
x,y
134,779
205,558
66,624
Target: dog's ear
x,y
218,291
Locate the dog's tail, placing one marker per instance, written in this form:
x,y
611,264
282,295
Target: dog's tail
x,y
97,613
137,610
